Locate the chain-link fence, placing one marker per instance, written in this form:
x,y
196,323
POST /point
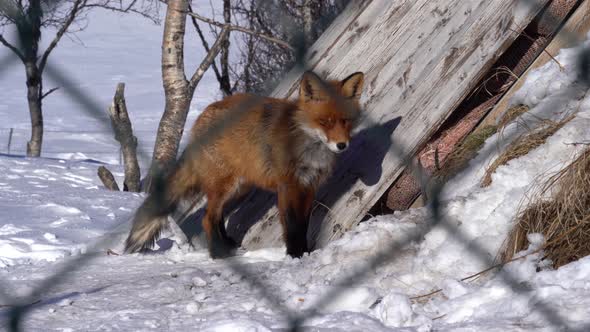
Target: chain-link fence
x,y
22,306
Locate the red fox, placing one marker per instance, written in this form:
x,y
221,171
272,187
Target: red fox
x,y
288,147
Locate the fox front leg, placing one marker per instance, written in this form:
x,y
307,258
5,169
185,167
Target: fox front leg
x,y
294,202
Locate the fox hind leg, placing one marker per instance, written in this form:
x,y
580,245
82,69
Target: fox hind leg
x,y
219,243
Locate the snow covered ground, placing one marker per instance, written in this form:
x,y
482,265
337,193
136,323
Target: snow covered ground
x,y
52,210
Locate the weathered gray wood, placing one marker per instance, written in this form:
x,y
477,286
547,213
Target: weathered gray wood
x,y
124,135
573,32
420,57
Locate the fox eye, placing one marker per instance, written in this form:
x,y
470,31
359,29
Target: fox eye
x,y
324,122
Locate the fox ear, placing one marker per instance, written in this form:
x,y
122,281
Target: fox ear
x,y
352,86
311,87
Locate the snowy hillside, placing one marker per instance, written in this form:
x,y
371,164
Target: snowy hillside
x,y
51,210
113,48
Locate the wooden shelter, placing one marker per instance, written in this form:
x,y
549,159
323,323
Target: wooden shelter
x,y
421,58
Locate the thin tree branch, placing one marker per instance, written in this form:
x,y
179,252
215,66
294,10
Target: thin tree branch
x,y
242,29
9,11
70,18
128,9
13,48
205,44
198,75
49,92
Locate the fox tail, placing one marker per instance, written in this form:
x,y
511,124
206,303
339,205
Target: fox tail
x,y
151,216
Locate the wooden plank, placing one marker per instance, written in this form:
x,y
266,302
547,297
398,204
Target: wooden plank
x,y
572,33
420,58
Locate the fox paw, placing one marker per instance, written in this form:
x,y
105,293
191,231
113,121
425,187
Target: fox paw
x,y
222,249
296,252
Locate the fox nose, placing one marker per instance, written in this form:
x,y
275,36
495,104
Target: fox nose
x,y
341,146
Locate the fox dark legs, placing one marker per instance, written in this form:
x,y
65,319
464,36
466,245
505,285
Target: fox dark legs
x,y
294,203
220,245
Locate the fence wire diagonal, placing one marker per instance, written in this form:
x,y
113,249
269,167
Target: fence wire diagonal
x,y
295,320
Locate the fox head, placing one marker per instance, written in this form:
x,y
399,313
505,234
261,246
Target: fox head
x,y
329,110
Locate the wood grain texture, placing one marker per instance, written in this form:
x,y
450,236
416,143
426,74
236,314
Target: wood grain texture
x,y
420,58
571,34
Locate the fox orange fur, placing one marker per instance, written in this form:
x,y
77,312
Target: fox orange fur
x,y
288,147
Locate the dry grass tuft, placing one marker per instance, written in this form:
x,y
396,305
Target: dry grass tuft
x,y
564,218
523,145
511,114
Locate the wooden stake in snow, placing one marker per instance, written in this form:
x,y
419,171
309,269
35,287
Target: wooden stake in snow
x,y
124,134
107,178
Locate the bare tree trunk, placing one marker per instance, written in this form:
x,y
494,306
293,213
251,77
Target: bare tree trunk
x,y
251,47
176,89
225,83
124,134
34,87
30,32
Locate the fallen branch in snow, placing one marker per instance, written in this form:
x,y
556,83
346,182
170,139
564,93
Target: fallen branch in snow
x,y
439,317
14,305
111,252
107,178
477,274
499,265
577,143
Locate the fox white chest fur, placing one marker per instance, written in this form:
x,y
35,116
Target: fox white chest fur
x,y
314,162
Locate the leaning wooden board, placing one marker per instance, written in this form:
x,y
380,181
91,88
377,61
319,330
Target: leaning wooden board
x,y
571,34
420,58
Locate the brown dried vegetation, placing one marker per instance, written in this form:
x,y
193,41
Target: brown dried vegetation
x,y
523,144
563,218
